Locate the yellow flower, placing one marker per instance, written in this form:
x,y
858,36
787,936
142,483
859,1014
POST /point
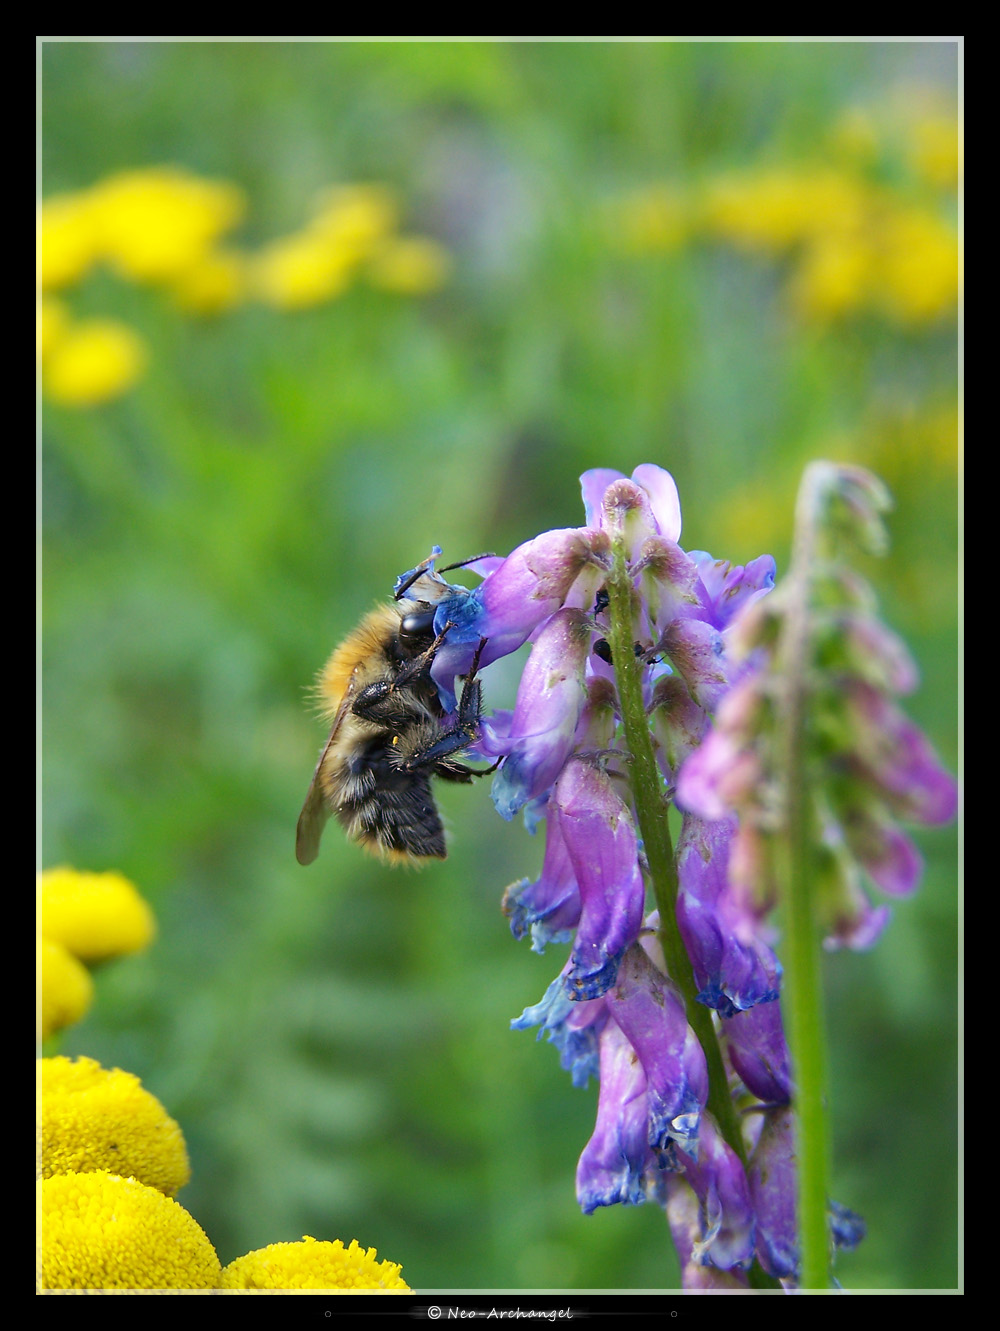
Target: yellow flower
x,y
101,1231
833,274
66,989
411,266
918,276
936,150
93,1119
355,218
302,270
215,283
68,240
772,210
51,321
94,362
155,223
312,1265
94,915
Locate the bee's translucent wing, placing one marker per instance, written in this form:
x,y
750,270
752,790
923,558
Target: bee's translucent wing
x,y
316,811
312,820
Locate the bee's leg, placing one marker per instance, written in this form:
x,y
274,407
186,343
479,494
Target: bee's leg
x,y
422,663
461,734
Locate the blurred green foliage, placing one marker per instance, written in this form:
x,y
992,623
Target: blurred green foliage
x,y
334,1040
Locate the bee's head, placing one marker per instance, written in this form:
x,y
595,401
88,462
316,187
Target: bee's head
x,y
416,627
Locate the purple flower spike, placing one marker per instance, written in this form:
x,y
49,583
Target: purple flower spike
x,y
726,1211
617,1164
650,1012
771,1176
733,967
550,699
601,840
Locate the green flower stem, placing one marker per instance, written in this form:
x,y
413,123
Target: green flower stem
x,y
802,990
654,827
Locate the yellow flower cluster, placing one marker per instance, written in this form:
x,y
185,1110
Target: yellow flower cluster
x,y
111,1160
313,1265
84,917
167,227
93,1119
855,245
103,1231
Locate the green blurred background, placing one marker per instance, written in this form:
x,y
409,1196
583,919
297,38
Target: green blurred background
x,y
334,1040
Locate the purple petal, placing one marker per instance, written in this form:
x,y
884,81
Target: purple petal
x,y
601,840
572,1027
771,1175
550,699
650,1011
550,906
755,1041
663,498
726,1211
896,757
733,967
617,1160
593,484
686,1229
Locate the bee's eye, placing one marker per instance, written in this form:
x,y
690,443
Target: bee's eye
x,y
417,623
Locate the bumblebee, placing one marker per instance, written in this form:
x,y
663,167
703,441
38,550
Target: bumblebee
x,y
390,734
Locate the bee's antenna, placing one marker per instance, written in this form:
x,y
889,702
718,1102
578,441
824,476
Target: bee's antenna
x,y
488,554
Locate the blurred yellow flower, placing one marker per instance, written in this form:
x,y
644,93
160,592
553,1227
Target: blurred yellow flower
x,y
313,1264
155,223
833,275
302,270
95,1119
93,362
68,239
918,274
51,321
410,266
354,218
215,283
66,990
936,150
101,1231
93,915
776,208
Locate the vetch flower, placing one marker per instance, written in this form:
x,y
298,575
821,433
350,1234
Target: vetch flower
x,y
101,1231
313,1264
93,1119
652,677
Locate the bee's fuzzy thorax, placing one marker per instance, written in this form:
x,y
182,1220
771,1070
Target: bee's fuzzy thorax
x,y
364,649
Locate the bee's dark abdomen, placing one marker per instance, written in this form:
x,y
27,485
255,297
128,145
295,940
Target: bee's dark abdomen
x,y
399,815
